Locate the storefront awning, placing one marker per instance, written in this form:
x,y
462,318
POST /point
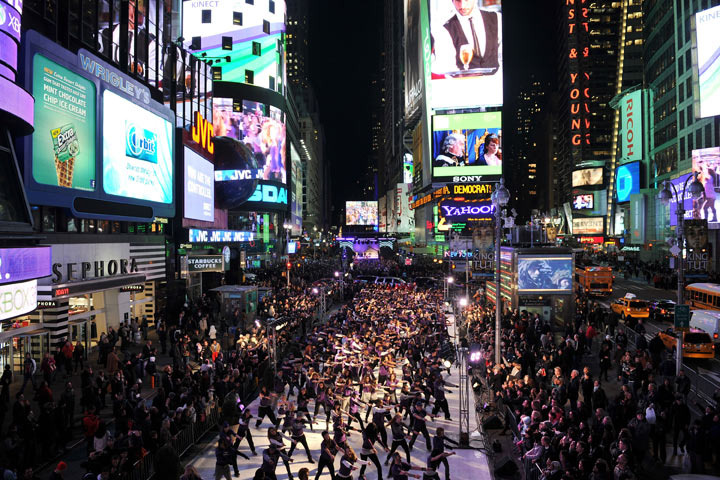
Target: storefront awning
x,y
73,289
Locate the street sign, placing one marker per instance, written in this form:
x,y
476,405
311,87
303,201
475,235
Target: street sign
x,y
682,317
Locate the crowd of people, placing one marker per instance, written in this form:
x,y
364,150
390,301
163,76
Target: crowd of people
x,y
572,420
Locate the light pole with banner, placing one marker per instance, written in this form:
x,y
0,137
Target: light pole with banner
x,y
665,196
500,198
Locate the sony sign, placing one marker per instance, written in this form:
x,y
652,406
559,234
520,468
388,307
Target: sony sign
x,y
17,299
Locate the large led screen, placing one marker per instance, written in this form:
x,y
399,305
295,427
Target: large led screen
x,y
467,144
588,225
137,151
707,24
583,202
627,181
249,33
63,144
466,60
587,177
260,127
544,273
706,165
199,187
361,213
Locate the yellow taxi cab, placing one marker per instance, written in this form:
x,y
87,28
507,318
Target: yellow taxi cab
x,y
696,343
630,306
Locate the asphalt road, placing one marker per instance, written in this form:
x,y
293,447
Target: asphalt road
x,y
709,369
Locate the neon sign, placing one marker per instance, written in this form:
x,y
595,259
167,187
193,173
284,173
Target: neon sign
x,y
202,133
579,95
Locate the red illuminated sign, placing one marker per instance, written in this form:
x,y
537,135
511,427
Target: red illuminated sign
x,y
61,291
592,240
578,48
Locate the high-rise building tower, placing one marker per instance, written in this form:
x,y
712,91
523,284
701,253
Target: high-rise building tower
x,y
298,47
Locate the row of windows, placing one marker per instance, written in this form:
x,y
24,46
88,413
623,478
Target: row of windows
x,y
51,219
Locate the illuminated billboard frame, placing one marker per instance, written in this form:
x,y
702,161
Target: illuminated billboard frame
x,y
545,274
583,201
589,177
468,144
251,35
707,24
361,213
588,225
466,72
627,181
68,144
198,187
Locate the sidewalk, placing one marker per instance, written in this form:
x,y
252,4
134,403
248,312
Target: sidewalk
x,y
76,452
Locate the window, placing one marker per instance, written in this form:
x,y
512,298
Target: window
x,y
272,83
689,114
688,88
227,43
249,76
250,2
698,138
237,18
266,27
272,6
682,148
689,142
708,136
256,49
207,16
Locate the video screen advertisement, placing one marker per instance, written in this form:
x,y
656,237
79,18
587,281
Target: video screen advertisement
x,y
587,177
198,187
627,181
547,273
707,25
466,58
250,33
706,164
584,201
98,136
361,213
467,144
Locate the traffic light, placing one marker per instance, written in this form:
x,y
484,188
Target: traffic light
x,y
289,265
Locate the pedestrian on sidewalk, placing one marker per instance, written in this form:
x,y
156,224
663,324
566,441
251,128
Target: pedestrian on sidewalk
x,y
48,367
79,356
67,351
5,381
58,472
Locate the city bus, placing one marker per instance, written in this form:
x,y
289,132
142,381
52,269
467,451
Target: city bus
x,y
594,280
704,296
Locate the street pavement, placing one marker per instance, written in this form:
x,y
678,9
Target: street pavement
x,y
466,461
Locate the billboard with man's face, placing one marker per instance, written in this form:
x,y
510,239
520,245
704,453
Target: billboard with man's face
x,y
545,274
466,58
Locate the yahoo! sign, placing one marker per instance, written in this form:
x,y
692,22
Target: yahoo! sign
x,y
460,210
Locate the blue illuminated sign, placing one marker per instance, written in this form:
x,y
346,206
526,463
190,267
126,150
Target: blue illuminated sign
x,y
140,143
197,235
627,181
267,193
18,264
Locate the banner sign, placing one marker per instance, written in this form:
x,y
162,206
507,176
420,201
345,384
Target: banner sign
x,y
206,263
631,118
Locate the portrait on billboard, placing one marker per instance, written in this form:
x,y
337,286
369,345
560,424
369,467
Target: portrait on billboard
x,y
696,234
583,202
587,177
261,128
467,144
545,273
466,62
483,237
706,165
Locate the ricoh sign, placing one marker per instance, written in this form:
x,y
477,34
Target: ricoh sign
x,y
631,118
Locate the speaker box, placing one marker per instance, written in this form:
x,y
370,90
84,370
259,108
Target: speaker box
x,y
492,423
505,467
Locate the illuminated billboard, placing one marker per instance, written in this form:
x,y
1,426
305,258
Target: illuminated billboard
x,y
250,34
260,127
631,115
588,226
627,181
707,25
462,211
296,194
466,59
137,151
103,148
587,177
198,187
467,144
547,273
361,213
583,202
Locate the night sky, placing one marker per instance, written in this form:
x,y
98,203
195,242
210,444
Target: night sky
x,y
345,49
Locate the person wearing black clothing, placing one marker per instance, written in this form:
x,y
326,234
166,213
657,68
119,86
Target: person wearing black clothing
x,y
397,428
439,445
298,435
228,436
276,439
605,361
400,470
266,408
680,414
419,425
440,400
433,462
271,455
328,450
368,451
225,456
243,430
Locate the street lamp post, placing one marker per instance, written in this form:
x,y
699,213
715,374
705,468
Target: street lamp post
x,y
665,196
500,198
287,227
